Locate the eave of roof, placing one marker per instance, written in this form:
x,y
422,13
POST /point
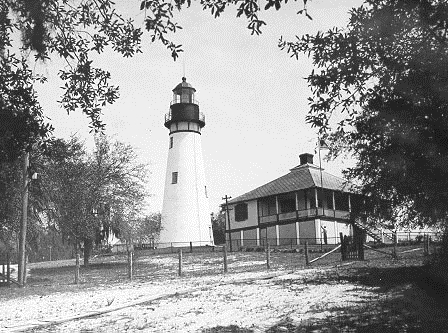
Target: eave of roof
x,y
299,178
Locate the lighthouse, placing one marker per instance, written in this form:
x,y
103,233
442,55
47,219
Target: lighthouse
x,y
185,212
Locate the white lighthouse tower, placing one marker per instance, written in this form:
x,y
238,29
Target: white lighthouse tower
x,y
185,213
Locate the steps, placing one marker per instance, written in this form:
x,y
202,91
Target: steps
x,y
377,234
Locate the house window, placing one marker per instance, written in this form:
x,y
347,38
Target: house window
x,y
329,199
287,203
171,142
241,212
341,201
267,206
174,176
301,200
311,196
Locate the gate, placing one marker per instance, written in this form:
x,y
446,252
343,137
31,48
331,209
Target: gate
x,y
352,248
5,278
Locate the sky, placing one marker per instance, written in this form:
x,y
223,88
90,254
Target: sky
x,y
253,95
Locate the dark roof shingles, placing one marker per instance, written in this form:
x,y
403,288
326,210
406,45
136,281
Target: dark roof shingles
x,y
298,179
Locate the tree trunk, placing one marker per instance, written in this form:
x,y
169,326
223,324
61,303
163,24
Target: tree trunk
x,y
88,244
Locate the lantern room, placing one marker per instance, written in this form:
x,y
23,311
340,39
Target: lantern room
x,y
184,93
184,108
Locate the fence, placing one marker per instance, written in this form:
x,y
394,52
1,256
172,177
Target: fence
x,y
195,262
208,263
238,244
5,273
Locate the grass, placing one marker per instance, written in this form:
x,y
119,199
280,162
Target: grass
x,y
407,299
49,277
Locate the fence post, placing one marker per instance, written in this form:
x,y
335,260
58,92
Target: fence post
x,y
343,247
268,256
225,257
394,250
191,247
130,262
424,245
180,262
77,269
24,269
8,272
307,259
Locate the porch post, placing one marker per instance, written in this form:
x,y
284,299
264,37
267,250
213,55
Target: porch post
x,y
297,233
277,234
334,204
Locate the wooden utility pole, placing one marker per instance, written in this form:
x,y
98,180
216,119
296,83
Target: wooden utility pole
x,y
225,257
227,198
22,239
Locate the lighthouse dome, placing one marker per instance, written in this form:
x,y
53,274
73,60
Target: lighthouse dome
x,y
183,84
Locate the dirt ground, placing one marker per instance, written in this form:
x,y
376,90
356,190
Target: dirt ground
x,y
376,295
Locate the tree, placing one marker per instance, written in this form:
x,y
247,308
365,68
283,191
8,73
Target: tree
x,y
71,30
94,192
10,196
219,227
385,76
11,190
140,229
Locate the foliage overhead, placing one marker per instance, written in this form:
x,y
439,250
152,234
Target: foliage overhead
x,y
74,30
385,78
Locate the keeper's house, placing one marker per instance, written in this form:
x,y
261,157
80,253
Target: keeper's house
x,y
292,209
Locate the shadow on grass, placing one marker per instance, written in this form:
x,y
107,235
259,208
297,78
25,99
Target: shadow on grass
x,y
227,329
388,278
407,299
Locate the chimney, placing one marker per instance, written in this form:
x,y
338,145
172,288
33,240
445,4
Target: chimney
x,y
306,158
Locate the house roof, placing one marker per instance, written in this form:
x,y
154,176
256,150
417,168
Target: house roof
x,y
299,178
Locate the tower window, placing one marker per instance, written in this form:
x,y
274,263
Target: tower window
x,y
171,142
206,195
174,176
